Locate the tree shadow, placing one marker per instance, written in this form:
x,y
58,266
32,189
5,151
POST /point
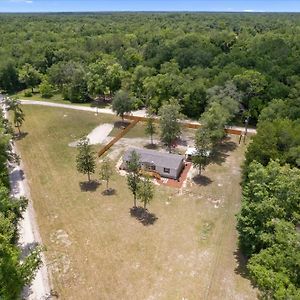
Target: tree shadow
x,y
151,146
26,249
181,142
20,136
241,268
26,292
121,124
89,186
143,215
109,192
202,180
16,176
221,151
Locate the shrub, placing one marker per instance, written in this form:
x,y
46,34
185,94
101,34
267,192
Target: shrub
x,y
27,93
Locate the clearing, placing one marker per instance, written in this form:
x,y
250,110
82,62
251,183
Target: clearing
x,y
96,250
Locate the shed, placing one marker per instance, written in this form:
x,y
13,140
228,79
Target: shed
x,y
192,151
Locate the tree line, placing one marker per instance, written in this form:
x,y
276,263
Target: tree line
x,y
268,223
16,270
153,57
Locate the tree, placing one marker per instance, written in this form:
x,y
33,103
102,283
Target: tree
x,y
133,177
29,76
281,109
276,269
105,74
227,96
150,126
270,193
145,191
14,274
9,80
194,98
13,104
122,104
203,147
75,87
169,122
70,78
114,77
253,84
106,171
214,120
19,118
279,139
138,76
85,160
45,88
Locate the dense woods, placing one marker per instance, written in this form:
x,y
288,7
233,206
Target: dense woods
x,y
220,68
153,57
269,220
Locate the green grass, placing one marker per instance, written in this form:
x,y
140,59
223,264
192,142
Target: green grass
x,y
138,131
96,250
57,98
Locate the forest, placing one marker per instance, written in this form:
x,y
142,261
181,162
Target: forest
x,y
221,68
153,57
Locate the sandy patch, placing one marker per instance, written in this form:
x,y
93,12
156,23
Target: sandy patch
x,y
97,135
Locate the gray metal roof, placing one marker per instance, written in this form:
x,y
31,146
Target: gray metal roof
x,y
165,160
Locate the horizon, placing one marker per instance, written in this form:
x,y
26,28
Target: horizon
x,y
150,6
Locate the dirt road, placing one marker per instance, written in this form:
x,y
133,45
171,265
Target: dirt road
x,y
138,113
28,230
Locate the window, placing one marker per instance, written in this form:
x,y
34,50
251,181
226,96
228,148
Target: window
x,y
166,170
152,167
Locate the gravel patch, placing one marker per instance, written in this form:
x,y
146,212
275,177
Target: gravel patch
x,y
97,135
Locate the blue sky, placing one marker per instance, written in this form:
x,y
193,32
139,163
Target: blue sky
x,y
149,5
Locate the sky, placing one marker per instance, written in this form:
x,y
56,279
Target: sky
x,y
149,5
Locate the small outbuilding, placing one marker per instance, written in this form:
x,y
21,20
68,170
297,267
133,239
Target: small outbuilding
x,y
192,151
166,164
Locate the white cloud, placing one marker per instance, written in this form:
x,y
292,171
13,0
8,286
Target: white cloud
x,y
248,10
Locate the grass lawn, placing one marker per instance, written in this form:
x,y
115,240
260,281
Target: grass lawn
x,y
57,98
138,131
96,250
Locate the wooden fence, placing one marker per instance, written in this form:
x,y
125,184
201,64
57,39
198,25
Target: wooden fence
x,y
136,119
185,124
118,136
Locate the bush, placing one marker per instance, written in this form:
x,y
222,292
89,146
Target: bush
x,y
137,103
27,93
46,89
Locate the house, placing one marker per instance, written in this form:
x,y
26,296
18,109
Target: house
x,y
166,164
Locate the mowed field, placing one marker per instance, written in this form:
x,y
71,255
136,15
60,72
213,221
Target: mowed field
x,y
96,250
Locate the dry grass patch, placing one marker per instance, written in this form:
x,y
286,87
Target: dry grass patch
x,y
96,250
